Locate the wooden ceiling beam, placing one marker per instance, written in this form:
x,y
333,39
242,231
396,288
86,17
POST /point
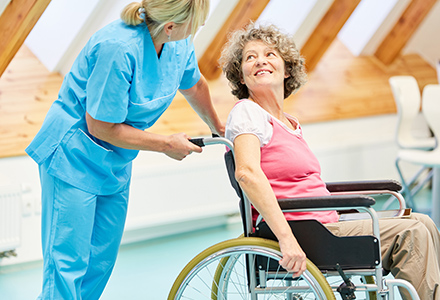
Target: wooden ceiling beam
x,y
244,12
326,31
402,31
16,22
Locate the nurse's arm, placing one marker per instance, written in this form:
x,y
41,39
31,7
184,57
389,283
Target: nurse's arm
x,y
176,146
200,100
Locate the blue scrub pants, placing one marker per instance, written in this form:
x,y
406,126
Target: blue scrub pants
x,y
81,234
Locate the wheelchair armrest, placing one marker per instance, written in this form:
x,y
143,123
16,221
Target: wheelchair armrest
x,y
373,185
336,201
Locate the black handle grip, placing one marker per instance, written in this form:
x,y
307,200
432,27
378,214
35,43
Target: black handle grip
x,y
199,142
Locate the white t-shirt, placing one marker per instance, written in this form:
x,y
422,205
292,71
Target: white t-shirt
x,y
249,117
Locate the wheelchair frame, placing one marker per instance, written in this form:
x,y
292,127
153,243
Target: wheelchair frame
x,y
344,196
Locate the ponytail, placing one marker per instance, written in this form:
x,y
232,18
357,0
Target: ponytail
x,y
131,14
156,13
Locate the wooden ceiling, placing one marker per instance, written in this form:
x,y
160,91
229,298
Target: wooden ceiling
x,y
402,31
340,85
323,35
16,22
20,16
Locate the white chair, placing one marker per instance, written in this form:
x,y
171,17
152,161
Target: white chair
x,y
407,97
408,101
431,111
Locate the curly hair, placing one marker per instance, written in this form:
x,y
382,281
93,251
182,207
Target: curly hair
x,y
232,57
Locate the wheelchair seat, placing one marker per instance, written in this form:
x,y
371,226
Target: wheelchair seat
x,y
326,250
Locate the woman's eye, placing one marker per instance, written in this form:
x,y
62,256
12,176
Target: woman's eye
x,y
250,57
271,54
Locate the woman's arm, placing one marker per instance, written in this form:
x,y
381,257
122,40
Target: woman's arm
x,y
122,135
200,100
257,188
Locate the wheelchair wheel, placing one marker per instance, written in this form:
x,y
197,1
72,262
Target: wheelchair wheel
x,y
246,268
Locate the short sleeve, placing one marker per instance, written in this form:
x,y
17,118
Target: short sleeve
x,y
109,82
192,74
249,117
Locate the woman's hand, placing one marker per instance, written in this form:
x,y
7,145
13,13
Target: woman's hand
x,y
178,146
294,258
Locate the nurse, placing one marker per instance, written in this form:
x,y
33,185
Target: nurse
x,y
120,84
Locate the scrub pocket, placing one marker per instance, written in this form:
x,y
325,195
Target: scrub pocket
x,y
144,114
83,163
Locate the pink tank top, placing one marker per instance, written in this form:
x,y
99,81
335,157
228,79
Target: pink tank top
x,y
294,171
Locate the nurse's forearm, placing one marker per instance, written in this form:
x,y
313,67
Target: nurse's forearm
x,y
125,136
200,100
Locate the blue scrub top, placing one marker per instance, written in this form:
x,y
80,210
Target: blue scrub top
x,y
117,78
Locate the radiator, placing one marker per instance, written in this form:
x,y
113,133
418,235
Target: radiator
x,y
10,217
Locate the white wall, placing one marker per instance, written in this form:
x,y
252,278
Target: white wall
x,y
55,33
66,26
3,4
425,41
386,25
311,21
373,19
219,13
287,14
369,23
169,196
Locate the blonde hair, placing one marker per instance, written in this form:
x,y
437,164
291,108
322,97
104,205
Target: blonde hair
x,y
156,13
232,57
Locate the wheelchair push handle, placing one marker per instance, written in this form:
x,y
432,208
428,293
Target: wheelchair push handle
x,y
215,139
201,141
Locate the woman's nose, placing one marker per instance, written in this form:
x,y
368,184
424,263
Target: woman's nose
x,y
261,61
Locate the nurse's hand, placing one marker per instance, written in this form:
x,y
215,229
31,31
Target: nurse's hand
x,y
178,146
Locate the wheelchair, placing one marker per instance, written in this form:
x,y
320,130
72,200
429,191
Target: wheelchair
x,y
337,267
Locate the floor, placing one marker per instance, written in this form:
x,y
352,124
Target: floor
x,y
143,270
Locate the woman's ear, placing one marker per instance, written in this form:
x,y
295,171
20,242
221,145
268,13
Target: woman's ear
x,y
241,77
286,71
168,28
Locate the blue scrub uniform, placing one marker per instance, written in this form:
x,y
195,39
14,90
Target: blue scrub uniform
x,y
117,78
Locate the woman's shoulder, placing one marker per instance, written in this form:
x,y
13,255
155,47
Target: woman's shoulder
x,y
248,117
248,112
248,105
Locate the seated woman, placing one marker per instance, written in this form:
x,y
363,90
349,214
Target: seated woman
x,y
273,161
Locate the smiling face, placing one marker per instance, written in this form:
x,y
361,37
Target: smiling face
x,y
262,67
